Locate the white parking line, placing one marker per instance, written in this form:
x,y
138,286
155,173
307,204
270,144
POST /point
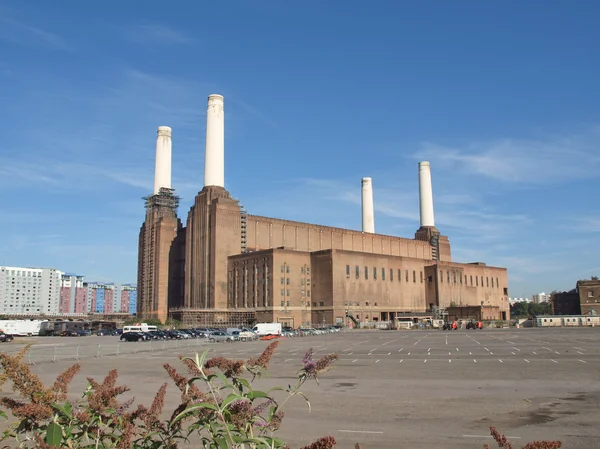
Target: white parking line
x,y
556,352
526,360
554,360
516,349
449,360
400,361
457,350
500,361
287,360
582,361
425,361
475,360
408,353
350,353
470,353
486,436
512,353
355,360
510,342
535,352
360,431
578,348
579,352
376,361
389,353
400,350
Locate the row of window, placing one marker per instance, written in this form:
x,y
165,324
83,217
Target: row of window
x,y
383,273
466,280
449,279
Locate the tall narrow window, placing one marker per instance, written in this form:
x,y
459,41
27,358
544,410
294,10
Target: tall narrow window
x,y
357,272
421,276
414,276
441,276
383,274
374,273
399,275
471,280
391,274
366,272
347,271
406,275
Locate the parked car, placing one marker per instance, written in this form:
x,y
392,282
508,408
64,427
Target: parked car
x,y
220,336
5,338
133,336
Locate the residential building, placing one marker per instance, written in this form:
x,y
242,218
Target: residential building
x,y
73,295
539,298
589,296
25,290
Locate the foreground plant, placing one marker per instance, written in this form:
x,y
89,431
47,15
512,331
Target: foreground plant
x,y
503,442
219,408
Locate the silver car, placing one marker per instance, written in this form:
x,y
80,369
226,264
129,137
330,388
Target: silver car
x,y
220,336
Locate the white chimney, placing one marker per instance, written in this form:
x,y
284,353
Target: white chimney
x,y
162,169
425,195
214,163
368,213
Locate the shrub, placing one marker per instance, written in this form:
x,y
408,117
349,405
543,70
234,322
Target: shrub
x,y
219,407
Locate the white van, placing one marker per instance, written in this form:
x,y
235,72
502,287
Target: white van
x,y
267,329
139,327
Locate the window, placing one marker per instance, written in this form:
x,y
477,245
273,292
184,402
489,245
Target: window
x,y
476,281
383,274
287,281
302,270
497,283
374,273
287,303
282,292
492,282
366,272
414,276
460,277
288,293
287,269
282,281
482,281
391,274
471,280
399,275
347,271
454,276
357,272
487,281
406,275
448,276
321,304
421,277
283,269
590,294
308,293
302,281
441,276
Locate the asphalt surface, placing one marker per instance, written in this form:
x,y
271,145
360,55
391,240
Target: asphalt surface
x,y
391,389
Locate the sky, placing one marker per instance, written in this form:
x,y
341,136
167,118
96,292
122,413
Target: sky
x,y
501,97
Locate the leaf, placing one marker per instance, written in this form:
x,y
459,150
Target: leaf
x,y
193,408
53,435
222,443
256,394
305,398
229,399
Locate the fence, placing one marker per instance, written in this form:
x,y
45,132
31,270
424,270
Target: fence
x,y
56,353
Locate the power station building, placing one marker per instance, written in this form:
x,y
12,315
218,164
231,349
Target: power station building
x,y
228,266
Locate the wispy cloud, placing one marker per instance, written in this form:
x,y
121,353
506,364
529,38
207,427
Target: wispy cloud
x,y
20,33
546,160
155,33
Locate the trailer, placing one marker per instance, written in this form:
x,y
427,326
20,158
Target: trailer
x,y
22,328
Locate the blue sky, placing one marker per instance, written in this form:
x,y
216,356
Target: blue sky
x,y
501,97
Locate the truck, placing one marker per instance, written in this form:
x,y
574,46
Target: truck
x,y
21,327
262,329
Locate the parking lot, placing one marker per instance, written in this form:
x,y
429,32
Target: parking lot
x,y
390,389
